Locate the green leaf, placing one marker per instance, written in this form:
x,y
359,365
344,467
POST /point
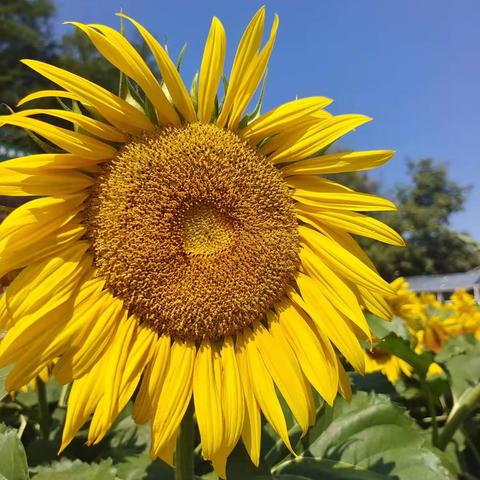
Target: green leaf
x,y
13,461
381,328
372,438
401,347
77,470
461,358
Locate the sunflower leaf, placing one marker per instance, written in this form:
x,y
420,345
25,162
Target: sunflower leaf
x,y
368,438
77,470
13,461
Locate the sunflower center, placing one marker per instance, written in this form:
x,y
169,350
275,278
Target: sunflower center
x,y
206,231
194,230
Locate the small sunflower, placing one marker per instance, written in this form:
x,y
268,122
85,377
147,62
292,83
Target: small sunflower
x,y
377,360
180,249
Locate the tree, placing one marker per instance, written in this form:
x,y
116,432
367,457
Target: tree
x,y
25,32
425,207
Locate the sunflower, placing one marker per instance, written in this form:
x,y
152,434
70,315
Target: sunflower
x,y
180,250
377,360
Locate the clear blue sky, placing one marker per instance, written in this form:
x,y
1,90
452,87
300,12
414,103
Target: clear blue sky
x,y
413,65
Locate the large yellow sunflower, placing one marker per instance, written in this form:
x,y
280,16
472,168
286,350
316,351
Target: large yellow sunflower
x,y
181,249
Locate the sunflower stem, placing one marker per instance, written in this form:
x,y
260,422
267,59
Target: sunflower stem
x,y
462,409
184,448
44,414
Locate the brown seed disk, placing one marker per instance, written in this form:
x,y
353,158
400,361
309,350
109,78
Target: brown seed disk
x,y
194,230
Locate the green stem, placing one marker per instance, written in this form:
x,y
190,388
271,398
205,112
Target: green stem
x,y
460,412
44,413
184,448
432,412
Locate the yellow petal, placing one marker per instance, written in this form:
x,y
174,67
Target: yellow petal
x,y
286,116
119,52
48,245
48,94
95,127
145,402
211,70
351,222
342,261
124,363
31,320
251,79
15,183
175,394
100,324
207,400
264,389
169,72
328,320
374,302
233,401
73,142
117,111
252,429
337,289
344,382
286,374
338,162
317,358
34,164
84,396
317,138
43,285
246,52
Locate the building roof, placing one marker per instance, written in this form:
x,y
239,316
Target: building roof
x,y
447,282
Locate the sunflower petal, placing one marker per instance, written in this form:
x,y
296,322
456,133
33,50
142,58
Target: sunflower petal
x,y
117,111
352,222
84,397
91,343
48,94
317,359
207,400
287,116
338,163
285,373
252,429
73,142
252,78
95,127
264,388
120,53
145,402
316,138
38,163
328,320
169,72
175,394
211,70
344,262
247,51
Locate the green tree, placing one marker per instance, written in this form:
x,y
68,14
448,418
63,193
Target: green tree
x,y
25,32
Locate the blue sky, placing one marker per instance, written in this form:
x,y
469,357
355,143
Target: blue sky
x,y
414,66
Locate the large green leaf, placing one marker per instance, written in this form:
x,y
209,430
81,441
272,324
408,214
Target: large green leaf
x,y
461,358
13,461
371,437
76,470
